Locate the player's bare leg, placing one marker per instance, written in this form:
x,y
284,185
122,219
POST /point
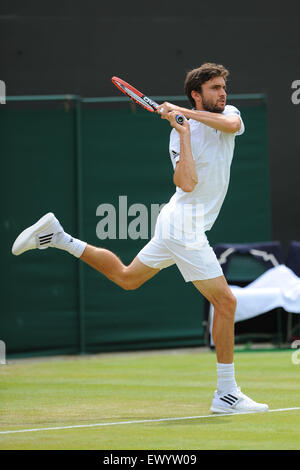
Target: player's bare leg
x,y
106,262
228,397
217,292
48,232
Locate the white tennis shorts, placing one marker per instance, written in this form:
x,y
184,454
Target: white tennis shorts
x,y
195,262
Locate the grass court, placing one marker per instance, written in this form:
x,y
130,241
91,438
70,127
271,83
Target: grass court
x,y
133,401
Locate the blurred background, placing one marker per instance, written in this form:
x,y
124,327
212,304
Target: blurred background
x,y
70,142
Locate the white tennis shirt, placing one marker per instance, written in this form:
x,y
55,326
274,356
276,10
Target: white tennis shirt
x,y
212,152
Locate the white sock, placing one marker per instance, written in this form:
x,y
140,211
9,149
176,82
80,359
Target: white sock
x,y
64,241
226,379
54,236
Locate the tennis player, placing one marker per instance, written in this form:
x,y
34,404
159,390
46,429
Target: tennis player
x,y
201,151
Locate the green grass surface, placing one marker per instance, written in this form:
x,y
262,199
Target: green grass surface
x,y
128,387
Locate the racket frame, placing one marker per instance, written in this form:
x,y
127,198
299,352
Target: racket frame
x,y
139,98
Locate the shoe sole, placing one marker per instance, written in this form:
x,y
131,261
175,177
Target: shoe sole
x,y
215,409
221,410
23,239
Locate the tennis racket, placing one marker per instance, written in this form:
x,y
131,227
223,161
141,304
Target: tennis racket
x,y
139,98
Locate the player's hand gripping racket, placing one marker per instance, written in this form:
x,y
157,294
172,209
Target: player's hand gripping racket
x,y
140,98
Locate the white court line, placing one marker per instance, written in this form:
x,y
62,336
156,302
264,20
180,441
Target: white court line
x,y
58,428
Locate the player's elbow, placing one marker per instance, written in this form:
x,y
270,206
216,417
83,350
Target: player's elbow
x,y
185,182
188,188
234,126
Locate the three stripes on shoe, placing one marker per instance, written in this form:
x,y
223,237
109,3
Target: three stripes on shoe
x,y
229,399
44,239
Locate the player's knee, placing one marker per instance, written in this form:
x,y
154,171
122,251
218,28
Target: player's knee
x,y
225,303
130,285
129,282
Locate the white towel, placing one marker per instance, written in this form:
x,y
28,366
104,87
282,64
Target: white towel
x,y
277,287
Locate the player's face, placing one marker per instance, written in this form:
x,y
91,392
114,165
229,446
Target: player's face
x,y
213,95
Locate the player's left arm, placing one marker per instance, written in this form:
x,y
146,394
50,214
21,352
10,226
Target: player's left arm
x,y
225,123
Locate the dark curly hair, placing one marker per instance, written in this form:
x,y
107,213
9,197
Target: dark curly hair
x,y
196,77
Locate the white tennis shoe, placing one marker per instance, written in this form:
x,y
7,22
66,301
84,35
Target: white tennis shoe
x,y
235,402
39,235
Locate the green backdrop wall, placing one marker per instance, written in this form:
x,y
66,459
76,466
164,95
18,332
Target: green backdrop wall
x,y
71,159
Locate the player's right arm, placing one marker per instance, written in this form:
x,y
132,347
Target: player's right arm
x,y
185,175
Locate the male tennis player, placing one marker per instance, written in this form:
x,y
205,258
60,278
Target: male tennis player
x,y
201,152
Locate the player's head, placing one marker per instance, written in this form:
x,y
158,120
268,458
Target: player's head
x,y
205,87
